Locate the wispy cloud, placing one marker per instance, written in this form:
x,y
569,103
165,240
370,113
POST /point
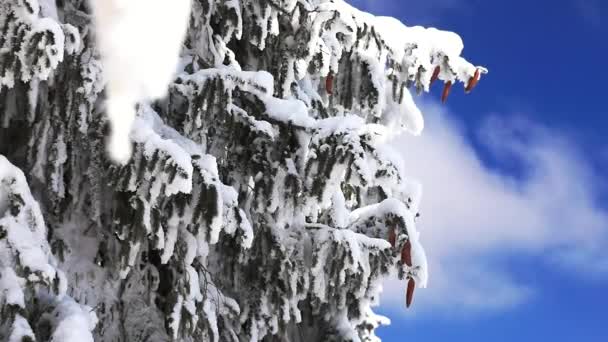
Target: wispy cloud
x,y
472,213
590,11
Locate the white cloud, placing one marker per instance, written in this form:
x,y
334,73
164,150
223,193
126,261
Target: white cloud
x,y
472,213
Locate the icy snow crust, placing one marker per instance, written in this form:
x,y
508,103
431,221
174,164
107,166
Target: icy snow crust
x,y
255,171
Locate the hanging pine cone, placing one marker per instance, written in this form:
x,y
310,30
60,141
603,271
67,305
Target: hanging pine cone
x,y
329,83
446,91
409,293
435,75
472,82
406,253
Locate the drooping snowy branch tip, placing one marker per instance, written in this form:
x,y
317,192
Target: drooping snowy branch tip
x,y
140,42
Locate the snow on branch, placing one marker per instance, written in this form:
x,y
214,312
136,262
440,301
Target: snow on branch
x,y
32,289
31,46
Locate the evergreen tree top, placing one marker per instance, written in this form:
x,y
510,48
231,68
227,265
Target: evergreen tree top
x,y
255,196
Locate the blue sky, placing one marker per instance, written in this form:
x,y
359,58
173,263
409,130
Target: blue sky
x,y
515,204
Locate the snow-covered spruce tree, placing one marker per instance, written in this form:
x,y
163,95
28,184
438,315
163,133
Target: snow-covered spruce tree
x,y
260,202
